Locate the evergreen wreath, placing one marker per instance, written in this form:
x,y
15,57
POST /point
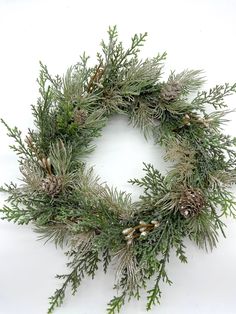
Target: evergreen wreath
x,y
69,205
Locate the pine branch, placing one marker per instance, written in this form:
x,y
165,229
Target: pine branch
x,y
203,229
189,80
62,158
118,202
57,233
142,117
141,76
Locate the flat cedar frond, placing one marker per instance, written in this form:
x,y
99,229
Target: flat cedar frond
x,y
215,96
153,179
81,264
70,205
20,148
115,304
114,52
16,214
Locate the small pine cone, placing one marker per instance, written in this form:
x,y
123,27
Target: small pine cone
x,y
80,116
170,91
52,185
191,203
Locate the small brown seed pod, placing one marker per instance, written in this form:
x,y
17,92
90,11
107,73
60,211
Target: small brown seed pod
x,y
191,202
51,185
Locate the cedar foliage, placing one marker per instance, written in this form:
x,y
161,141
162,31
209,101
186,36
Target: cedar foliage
x,y
68,204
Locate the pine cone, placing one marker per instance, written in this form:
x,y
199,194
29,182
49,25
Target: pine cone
x,y
191,203
80,116
52,185
170,91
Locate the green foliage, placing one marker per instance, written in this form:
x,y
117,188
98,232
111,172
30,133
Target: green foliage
x,y
215,96
84,262
141,76
57,233
153,181
44,114
154,294
19,148
69,205
115,304
189,80
16,214
115,56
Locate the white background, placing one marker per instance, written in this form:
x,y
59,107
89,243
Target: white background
x,y
196,34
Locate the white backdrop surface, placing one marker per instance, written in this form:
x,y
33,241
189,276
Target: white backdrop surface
x,y
196,34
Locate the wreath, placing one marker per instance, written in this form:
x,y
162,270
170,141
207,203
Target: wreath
x,y
68,204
